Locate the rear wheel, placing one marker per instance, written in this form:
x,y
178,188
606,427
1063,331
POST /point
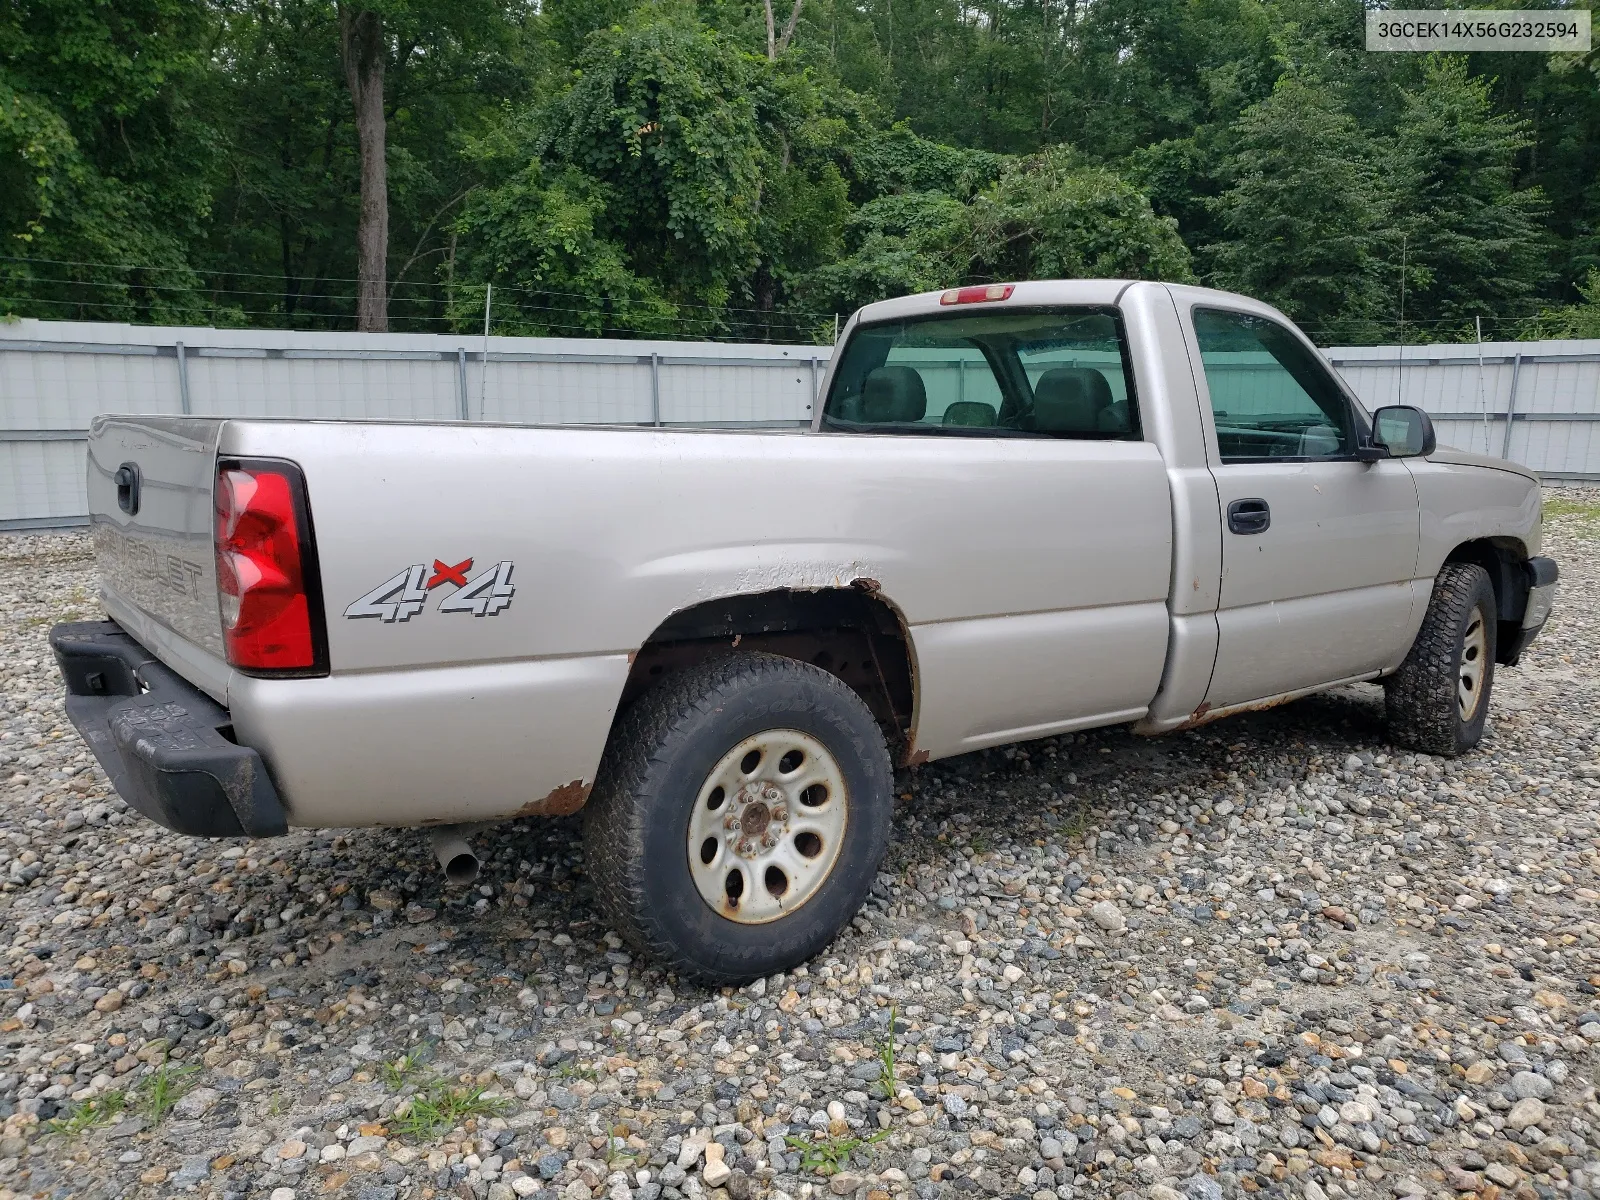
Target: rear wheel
x,y
740,816
1438,700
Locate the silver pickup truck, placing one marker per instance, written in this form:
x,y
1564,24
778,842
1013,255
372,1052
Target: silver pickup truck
x,y
1020,510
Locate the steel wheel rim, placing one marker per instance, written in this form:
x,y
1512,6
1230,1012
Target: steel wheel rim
x,y
1474,665
764,839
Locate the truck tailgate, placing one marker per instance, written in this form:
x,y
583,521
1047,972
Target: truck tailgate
x,y
153,537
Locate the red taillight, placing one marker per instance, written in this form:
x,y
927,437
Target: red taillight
x,y
979,294
267,617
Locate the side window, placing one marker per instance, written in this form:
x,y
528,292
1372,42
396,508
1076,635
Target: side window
x,y
1271,397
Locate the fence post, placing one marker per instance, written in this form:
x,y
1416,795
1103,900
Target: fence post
x,y
183,380
655,389
483,377
1483,397
1511,405
461,381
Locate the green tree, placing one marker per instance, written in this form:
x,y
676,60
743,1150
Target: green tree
x,y
897,244
896,160
1473,242
1050,217
665,113
734,168
543,234
1558,95
707,178
378,41
1146,71
104,158
804,200
1581,320
287,238
1301,211
289,183
1182,178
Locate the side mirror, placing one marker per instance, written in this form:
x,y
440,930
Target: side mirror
x,y
1404,431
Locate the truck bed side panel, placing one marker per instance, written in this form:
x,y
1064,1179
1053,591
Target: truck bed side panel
x,y
433,745
1037,547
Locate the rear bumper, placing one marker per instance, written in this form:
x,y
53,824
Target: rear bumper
x,y
159,738
1542,576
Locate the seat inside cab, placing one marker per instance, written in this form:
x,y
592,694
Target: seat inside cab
x,y
1077,400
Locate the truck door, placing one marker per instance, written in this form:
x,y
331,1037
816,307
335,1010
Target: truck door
x,y
1319,548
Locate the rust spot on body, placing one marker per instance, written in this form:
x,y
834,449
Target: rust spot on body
x,y
916,758
1263,705
563,802
864,584
1204,714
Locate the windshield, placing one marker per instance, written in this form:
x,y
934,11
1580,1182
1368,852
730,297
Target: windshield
x,y
1057,372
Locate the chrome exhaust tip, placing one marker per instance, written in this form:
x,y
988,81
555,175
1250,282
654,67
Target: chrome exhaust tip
x,y
455,855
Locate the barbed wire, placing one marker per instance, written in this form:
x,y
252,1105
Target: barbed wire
x,y
775,318
276,317
445,285
666,318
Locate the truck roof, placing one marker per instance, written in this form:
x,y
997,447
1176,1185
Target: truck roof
x,y
1027,292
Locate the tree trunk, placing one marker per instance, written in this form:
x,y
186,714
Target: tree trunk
x,y
777,43
788,27
362,49
765,288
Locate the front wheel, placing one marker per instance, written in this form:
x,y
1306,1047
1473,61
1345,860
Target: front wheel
x,y
740,816
1438,700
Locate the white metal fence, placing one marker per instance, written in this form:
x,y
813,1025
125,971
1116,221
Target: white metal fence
x,y
55,376
1536,402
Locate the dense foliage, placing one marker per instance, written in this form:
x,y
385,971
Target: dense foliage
x,y
750,168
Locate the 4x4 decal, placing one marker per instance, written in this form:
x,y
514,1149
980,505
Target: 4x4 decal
x,y
483,595
404,595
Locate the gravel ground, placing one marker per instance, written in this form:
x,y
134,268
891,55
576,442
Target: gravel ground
x,y
1271,956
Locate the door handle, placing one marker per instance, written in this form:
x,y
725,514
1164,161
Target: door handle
x,y
1249,516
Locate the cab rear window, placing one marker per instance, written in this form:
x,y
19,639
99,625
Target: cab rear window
x,y
1056,372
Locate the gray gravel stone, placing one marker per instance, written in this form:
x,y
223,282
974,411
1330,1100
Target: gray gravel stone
x,y
1526,1084
1117,966
1108,916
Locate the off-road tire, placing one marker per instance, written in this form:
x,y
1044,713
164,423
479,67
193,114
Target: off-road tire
x,y
1422,702
660,752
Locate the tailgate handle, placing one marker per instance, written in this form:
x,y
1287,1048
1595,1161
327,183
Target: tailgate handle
x,y
127,481
1249,516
